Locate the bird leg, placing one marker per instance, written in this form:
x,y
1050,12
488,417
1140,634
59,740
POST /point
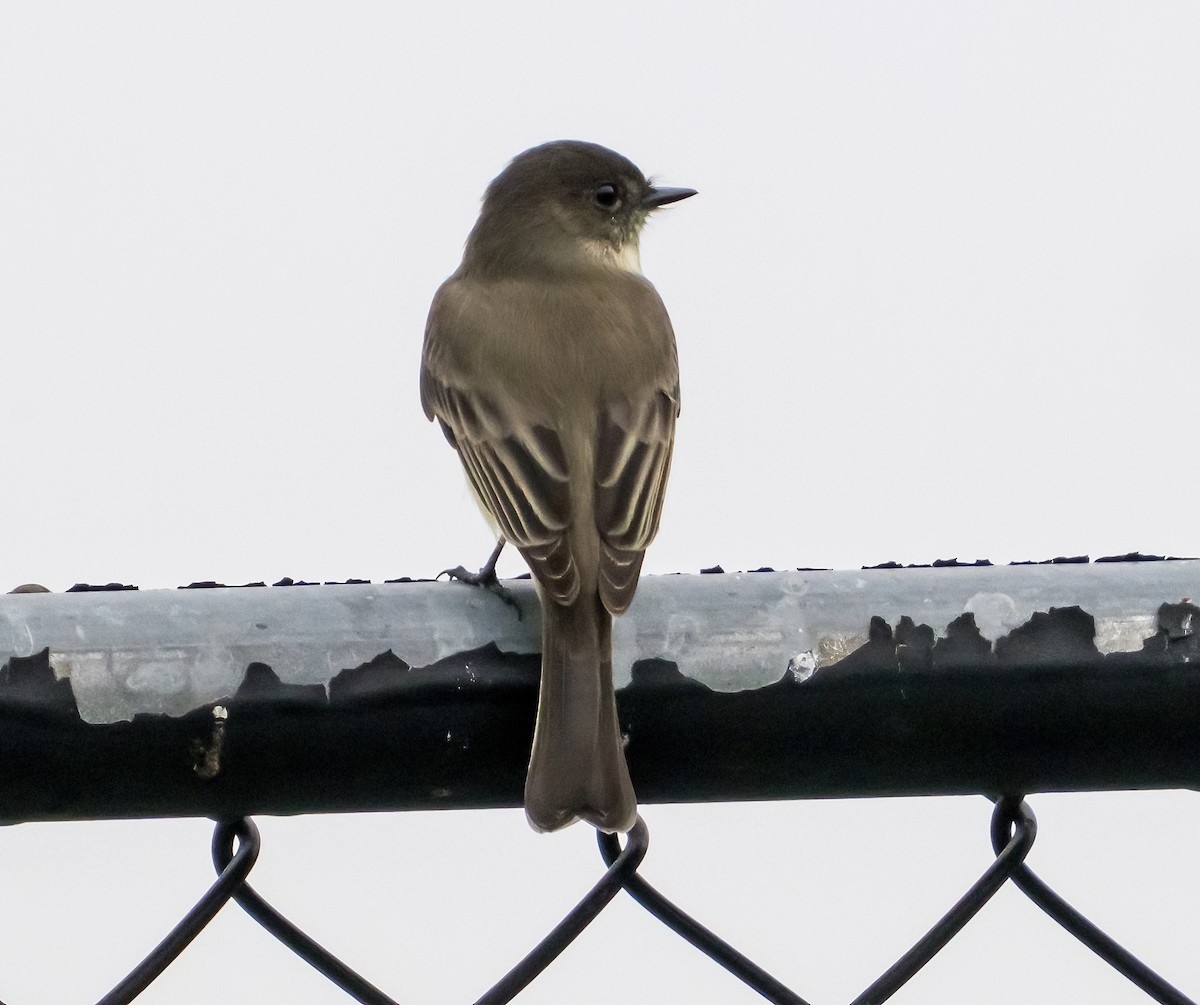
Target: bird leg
x,y
485,577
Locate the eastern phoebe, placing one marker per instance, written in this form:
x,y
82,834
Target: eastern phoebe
x,y
549,362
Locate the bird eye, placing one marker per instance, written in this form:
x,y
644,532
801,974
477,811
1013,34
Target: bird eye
x,y
607,196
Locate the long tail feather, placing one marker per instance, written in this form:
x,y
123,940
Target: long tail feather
x,y
577,769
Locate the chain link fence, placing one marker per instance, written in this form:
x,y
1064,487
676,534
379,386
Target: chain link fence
x,y
236,847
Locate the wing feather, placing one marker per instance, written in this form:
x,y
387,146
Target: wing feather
x,y
517,469
633,458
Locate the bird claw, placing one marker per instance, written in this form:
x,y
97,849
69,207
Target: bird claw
x,y
485,579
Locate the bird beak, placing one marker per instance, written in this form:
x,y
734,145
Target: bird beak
x,y
662,195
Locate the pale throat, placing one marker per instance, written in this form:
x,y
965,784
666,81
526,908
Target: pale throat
x,y
627,257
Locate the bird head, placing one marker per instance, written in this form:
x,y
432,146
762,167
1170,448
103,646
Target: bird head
x,y
566,205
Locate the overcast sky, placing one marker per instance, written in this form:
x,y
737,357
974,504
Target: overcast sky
x,y
937,298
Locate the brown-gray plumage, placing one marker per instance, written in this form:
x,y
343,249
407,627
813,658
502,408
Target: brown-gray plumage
x,y
549,363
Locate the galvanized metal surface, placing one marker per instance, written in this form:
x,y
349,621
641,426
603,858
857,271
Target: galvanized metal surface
x,y
170,651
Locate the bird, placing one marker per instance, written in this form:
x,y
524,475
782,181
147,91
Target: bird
x,y
549,362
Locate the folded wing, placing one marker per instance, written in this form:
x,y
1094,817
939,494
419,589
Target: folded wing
x,y
633,459
518,471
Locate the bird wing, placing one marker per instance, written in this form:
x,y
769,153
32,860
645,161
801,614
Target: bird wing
x,y
517,469
635,438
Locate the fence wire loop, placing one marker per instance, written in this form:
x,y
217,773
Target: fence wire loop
x,y
232,876
542,955
621,869
1017,823
712,945
1013,814
1114,954
297,941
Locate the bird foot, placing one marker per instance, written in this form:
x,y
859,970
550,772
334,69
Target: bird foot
x,y
485,579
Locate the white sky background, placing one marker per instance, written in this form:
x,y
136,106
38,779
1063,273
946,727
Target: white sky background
x,y
938,297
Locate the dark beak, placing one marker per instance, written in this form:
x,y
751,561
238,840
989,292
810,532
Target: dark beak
x,y
661,196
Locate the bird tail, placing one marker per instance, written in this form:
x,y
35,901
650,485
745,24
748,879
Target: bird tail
x,y
577,768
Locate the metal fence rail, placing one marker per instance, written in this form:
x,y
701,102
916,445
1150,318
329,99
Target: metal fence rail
x,y
232,702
